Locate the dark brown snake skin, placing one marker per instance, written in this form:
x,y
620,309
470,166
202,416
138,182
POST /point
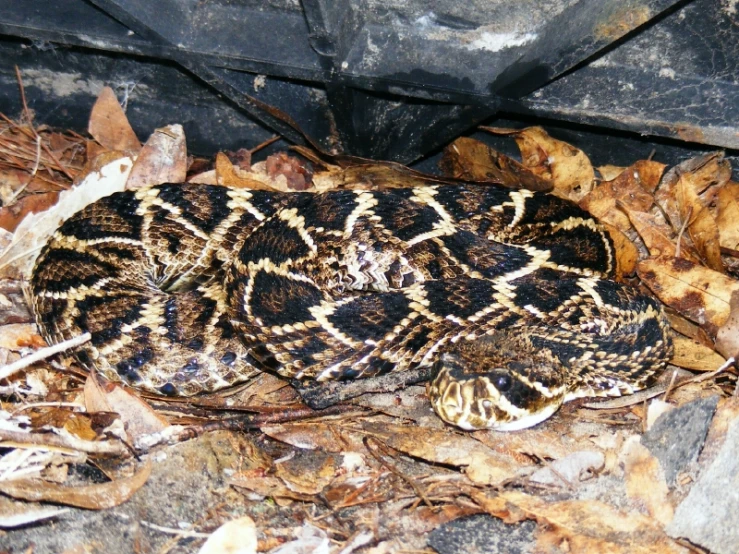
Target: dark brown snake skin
x,y
193,288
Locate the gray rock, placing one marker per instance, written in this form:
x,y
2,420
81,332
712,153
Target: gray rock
x,y
707,516
482,534
676,438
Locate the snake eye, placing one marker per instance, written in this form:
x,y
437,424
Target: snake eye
x,y
502,382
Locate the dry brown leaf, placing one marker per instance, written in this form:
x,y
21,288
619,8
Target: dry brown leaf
x,y
137,416
687,328
238,536
728,216
690,354
727,337
79,425
645,480
696,292
581,526
109,125
700,224
726,414
163,159
90,497
294,471
482,464
267,486
313,436
628,189
658,236
472,160
610,172
11,216
568,168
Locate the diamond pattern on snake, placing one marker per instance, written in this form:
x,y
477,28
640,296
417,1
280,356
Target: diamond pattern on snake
x,y
506,294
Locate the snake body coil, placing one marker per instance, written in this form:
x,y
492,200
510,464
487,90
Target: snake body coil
x,y
193,288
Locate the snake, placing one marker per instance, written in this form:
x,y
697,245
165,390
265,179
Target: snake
x,y
507,295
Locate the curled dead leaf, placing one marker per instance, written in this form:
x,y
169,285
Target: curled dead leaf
x,y
472,160
728,216
568,168
137,416
700,224
628,189
90,497
163,159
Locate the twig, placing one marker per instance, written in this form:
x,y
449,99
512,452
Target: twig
x,y
10,369
26,111
31,175
70,442
682,230
670,385
394,470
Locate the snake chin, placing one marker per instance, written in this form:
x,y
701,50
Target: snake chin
x,y
499,382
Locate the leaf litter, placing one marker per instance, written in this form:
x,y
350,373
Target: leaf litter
x,y
379,472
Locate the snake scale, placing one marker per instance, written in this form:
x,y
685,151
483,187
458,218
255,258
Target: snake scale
x,y
192,288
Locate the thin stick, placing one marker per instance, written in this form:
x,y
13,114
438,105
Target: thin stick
x,y
10,369
682,231
394,470
32,175
22,439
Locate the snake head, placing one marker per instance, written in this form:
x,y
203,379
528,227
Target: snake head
x,y
497,382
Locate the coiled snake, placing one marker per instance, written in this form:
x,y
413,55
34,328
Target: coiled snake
x,y
192,288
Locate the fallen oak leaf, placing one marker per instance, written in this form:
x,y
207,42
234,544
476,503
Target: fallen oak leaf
x,y
89,497
699,173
